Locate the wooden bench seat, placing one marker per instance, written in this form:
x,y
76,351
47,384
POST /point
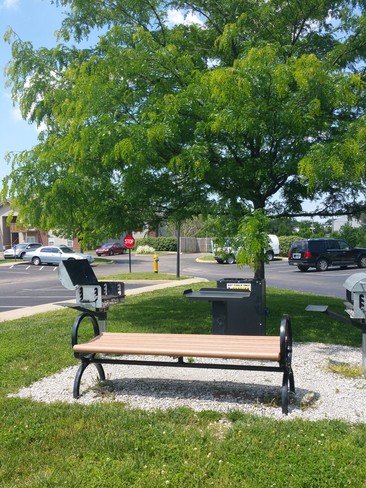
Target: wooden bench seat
x,y
187,345
270,349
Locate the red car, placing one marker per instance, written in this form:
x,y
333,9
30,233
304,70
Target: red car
x,y
110,248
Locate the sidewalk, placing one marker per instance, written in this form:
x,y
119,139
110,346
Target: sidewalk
x,y
51,307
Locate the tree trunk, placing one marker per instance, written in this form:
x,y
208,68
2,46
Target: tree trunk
x,y
259,270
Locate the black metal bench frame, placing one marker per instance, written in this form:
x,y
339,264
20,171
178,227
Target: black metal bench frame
x,y
284,362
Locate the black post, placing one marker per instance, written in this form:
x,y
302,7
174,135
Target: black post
x,y
129,259
178,250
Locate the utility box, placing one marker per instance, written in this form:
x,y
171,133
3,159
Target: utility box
x,y
244,317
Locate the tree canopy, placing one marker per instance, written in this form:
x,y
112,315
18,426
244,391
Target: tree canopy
x,y
256,105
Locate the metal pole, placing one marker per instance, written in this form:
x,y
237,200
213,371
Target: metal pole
x,y
178,250
364,348
103,324
129,259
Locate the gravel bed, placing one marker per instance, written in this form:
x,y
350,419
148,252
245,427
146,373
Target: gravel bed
x,y
320,394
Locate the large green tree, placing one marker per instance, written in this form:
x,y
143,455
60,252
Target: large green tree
x,y
258,106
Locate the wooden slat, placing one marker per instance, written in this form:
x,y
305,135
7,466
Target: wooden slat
x,y
192,345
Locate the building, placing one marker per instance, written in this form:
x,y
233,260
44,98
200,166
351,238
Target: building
x,y
11,234
347,219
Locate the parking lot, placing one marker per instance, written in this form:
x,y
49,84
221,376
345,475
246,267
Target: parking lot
x,y
24,285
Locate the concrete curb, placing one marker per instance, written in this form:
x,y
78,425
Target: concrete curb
x,y
166,284
53,307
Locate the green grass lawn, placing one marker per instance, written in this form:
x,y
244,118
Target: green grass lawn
x,y
110,445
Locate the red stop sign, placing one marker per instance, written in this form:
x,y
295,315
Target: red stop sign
x,y
129,241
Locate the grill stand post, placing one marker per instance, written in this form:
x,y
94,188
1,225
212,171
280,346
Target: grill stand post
x,y
103,323
360,324
364,347
97,317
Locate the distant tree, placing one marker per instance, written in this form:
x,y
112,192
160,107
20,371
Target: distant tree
x,y
355,236
284,226
309,228
193,227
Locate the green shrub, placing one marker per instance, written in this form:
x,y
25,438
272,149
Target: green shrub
x,y
159,243
285,243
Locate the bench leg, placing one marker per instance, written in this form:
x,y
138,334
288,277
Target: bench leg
x,y
84,364
287,381
291,380
284,393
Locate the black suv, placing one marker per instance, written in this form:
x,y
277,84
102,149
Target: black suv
x,y
322,253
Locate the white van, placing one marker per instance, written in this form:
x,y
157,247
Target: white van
x,y
228,253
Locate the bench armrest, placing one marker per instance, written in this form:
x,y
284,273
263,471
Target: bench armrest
x,y
285,339
76,325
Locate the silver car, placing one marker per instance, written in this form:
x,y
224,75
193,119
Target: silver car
x,y
9,253
54,255
19,250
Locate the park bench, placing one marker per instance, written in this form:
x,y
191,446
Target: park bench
x,y
111,347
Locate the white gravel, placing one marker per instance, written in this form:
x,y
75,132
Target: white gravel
x,y
320,394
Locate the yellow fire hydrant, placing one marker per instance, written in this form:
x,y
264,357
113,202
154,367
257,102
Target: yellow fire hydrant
x,y
156,263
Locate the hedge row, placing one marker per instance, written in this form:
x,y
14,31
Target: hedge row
x,y
285,243
158,243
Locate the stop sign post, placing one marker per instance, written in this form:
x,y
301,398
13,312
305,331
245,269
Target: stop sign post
x,y
129,242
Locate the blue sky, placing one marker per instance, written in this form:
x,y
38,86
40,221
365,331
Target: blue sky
x,y
34,21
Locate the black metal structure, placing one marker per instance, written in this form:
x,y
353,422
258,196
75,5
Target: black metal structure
x,y
222,304
248,317
238,306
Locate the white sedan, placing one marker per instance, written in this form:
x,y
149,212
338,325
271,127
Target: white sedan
x,y
54,255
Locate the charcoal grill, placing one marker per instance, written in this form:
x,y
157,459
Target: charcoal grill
x,y
355,286
93,297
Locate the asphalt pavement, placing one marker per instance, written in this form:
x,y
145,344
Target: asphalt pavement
x,y
27,289
49,307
